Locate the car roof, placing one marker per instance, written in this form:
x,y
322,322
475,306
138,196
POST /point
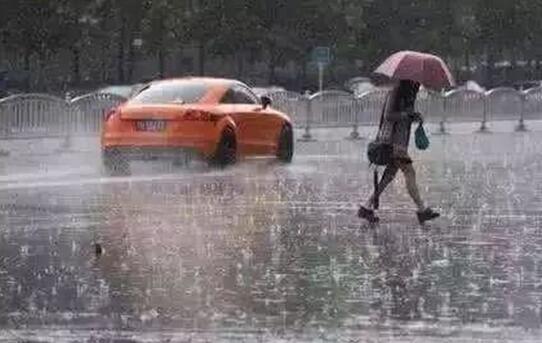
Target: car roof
x,y
217,87
211,81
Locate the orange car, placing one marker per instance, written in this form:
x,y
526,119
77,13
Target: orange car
x,y
217,119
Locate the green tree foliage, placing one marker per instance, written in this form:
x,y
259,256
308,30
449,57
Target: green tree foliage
x,y
25,30
277,33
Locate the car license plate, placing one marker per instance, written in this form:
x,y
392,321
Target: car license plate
x,y
151,125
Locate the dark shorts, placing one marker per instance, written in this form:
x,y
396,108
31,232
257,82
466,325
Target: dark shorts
x,y
401,160
400,157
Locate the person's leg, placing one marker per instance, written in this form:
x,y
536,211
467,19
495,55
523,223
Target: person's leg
x,y
424,213
387,178
412,186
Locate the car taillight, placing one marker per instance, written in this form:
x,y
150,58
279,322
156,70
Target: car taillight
x,y
200,116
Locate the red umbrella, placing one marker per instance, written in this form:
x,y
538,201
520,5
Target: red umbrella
x,y
427,69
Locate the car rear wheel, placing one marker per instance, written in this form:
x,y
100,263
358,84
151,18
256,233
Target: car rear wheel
x,y
115,163
226,150
285,151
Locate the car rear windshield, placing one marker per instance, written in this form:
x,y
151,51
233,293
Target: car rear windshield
x,y
182,92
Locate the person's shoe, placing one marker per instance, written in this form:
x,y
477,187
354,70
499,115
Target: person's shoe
x,y
368,215
427,215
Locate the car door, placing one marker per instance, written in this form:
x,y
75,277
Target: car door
x,y
242,111
266,125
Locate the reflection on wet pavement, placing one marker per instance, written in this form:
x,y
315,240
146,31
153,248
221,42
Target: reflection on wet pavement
x,y
267,251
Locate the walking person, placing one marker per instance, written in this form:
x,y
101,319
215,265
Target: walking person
x,y
395,129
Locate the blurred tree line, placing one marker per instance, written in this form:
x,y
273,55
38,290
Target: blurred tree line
x,y
72,42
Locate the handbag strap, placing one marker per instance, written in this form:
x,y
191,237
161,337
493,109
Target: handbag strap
x,y
384,108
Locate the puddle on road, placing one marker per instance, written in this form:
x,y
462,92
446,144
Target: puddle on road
x,y
267,250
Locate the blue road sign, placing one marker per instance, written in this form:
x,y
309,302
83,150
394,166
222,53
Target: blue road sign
x,y
321,55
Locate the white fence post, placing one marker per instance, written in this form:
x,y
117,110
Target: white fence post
x,y
307,134
442,122
462,105
504,103
66,145
357,109
521,127
295,105
4,127
483,126
443,96
532,104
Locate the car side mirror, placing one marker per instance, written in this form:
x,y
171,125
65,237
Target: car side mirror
x,y
266,101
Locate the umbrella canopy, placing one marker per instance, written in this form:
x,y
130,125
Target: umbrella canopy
x,y
427,69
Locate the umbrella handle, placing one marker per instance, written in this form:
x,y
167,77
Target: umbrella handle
x,y
376,200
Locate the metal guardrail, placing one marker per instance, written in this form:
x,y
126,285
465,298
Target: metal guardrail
x,y
340,109
531,106
33,115
40,115
88,111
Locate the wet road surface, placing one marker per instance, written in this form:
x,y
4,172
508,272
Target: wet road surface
x,y
264,252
